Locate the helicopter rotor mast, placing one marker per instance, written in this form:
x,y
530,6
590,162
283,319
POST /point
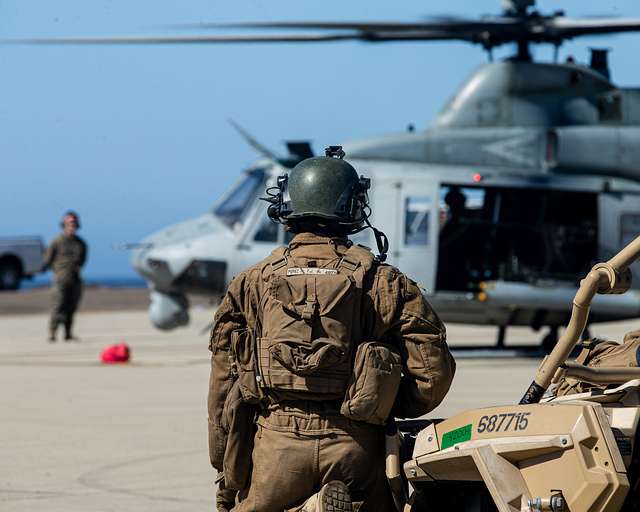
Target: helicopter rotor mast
x,y
517,7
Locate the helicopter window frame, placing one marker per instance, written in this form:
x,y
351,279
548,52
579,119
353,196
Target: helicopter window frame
x,y
268,232
417,215
234,207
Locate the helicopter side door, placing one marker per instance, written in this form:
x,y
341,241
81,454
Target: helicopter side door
x,y
409,209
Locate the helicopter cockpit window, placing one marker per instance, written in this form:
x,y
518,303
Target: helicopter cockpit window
x,y
236,205
416,220
268,231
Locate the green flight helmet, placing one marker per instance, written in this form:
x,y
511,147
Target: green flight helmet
x,y
325,187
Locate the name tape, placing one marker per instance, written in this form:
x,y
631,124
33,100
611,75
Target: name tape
x,y
311,271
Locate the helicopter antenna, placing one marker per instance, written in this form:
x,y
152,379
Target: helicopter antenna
x,y
253,142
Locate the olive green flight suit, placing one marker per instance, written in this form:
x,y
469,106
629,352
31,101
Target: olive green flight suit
x,y
65,256
299,445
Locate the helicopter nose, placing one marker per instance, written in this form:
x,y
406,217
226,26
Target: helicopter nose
x,y
184,258
139,262
198,276
157,271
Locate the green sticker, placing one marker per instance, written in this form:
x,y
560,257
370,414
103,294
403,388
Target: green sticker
x,y
459,435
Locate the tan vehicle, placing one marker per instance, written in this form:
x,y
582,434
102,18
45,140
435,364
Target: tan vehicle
x,y
577,453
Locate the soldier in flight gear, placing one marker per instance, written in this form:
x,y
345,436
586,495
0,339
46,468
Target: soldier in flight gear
x,y
65,255
313,350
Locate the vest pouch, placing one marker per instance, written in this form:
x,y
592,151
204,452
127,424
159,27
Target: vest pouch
x,y
238,419
310,319
318,369
245,356
374,383
301,297
308,358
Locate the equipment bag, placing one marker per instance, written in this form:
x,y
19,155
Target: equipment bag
x,y
311,324
238,419
374,383
245,363
602,353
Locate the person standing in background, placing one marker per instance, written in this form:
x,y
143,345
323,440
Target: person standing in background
x,y
65,255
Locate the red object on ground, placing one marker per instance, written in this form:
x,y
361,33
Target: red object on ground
x,y
118,353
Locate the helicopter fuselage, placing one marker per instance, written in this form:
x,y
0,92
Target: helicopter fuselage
x,y
515,251
544,160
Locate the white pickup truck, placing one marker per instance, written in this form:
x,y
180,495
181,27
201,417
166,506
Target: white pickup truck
x,y
20,257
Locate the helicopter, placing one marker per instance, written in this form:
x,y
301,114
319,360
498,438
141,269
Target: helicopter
x,y
529,175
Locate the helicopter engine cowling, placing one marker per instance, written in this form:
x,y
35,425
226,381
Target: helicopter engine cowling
x,y
600,150
168,311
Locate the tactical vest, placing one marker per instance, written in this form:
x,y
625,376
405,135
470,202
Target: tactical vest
x,y
311,324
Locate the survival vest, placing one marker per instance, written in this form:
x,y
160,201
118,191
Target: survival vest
x,y
311,324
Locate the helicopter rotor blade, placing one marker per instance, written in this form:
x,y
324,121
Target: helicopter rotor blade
x,y
276,38
516,25
253,142
567,28
168,40
437,25
497,29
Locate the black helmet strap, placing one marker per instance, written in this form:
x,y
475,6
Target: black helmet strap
x,y
382,241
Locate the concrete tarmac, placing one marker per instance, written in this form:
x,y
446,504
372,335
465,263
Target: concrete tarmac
x,y
76,435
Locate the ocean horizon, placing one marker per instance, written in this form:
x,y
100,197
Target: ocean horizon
x,y
104,281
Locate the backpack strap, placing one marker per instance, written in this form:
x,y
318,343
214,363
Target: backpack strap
x,y
355,257
312,300
278,258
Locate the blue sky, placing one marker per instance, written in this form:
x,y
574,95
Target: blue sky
x,y
136,138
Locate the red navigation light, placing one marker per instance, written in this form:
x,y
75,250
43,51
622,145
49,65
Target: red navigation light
x,y
477,177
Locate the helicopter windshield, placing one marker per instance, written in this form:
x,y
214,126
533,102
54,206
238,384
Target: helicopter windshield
x,y
237,203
